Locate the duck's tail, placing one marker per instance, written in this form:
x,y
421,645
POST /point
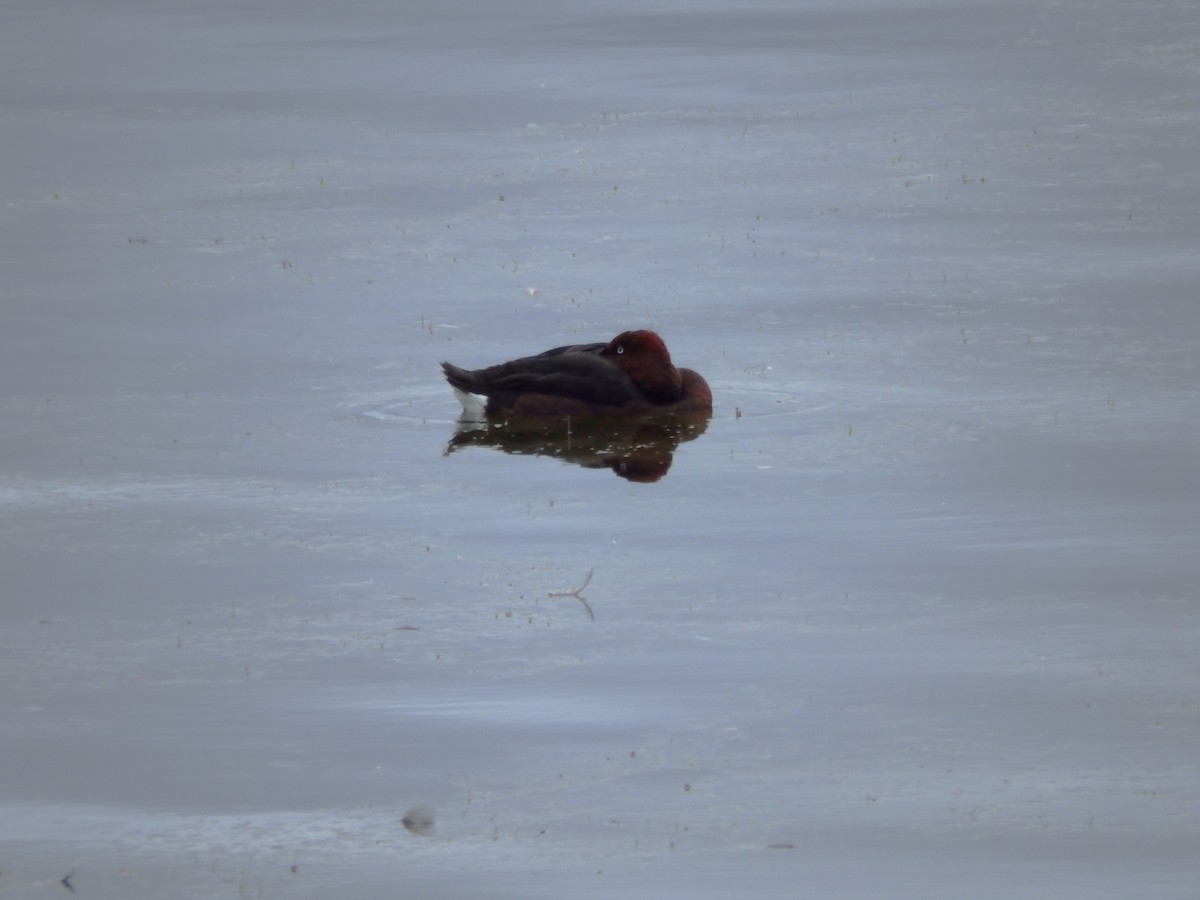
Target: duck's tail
x,y
462,379
463,383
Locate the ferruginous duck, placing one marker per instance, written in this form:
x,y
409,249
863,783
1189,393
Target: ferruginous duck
x,y
630,375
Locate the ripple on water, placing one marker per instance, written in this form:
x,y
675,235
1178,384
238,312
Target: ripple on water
x,y
749,401
435,405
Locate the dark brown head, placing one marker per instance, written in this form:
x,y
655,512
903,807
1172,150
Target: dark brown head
x,y
644,358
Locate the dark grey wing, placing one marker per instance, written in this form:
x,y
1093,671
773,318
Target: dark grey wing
x,y
580,375
575,348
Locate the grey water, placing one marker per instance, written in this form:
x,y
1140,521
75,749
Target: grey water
x,y
916,615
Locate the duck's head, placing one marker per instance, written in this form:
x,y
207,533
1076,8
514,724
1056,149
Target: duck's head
x,y
645,359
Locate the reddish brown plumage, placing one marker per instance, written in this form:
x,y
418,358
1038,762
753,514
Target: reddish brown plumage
x,y
630,375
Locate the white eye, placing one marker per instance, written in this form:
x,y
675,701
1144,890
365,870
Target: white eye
x,y
620,349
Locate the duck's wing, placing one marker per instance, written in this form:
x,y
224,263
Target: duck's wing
x,y
575,348
579,375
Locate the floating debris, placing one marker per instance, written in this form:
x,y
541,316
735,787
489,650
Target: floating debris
x,y
577,593
419,821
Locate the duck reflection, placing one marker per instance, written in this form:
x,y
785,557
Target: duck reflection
x,y
639,449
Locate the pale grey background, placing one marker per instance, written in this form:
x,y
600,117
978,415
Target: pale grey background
x,y
920,622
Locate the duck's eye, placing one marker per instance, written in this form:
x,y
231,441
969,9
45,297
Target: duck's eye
x,y
620,349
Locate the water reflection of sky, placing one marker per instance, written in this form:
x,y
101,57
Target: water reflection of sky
x,y
915,609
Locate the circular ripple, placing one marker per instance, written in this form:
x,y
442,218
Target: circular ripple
x,y
437,406
750,401
425,406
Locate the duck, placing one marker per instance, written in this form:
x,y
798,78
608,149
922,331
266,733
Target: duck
x,y
630,375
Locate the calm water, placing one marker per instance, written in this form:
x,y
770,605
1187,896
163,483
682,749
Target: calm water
x,y
914,616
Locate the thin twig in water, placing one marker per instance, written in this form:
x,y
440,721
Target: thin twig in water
x,y
577,593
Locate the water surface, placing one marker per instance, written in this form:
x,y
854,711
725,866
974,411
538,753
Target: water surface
x,y
915,616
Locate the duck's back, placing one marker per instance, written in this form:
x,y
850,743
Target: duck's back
x,y
568,379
